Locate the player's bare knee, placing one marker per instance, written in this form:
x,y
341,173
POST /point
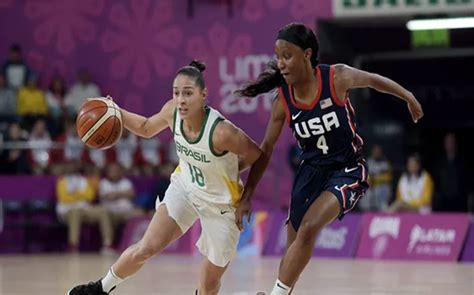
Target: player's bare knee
x,y
308,231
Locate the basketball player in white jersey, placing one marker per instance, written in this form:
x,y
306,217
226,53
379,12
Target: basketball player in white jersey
x,y
205,185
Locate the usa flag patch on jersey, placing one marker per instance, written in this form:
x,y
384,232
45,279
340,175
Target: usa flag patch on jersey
x,y
325,103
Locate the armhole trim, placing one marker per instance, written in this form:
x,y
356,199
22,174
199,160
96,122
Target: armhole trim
x,y
337,100
211,132
174,120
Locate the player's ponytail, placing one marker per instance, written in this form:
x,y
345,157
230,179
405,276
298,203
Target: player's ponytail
x,y
194,70
268,80
198,65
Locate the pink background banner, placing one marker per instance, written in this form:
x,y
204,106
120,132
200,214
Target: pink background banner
x,y
339,239
412,236
133,49
468,252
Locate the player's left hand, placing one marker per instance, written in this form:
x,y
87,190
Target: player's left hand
x,y
244,209
415,109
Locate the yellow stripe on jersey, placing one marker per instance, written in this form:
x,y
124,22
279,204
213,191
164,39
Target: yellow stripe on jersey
x,y
235,189
177,169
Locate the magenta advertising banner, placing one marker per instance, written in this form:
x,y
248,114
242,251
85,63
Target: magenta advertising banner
x,y
339,239
468,253
276,239
413,236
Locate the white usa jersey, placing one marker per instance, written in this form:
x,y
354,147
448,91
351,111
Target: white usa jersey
x,y
207,174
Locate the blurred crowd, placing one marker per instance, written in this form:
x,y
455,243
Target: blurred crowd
x,y
443,188
38,134
38,137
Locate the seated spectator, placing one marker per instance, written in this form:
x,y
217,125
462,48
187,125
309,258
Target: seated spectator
x,y
81,90
75,206
415,189
55,101
55,96
116,194
73,148
93,174
15,70
169,160
31,102
125,151
379,193
7,102
14,160
150,156
171,154
73,145
40,143
452,176
97,157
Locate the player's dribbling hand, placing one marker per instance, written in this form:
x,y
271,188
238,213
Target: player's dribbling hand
x,y
244,209
101,98
415,109
108,97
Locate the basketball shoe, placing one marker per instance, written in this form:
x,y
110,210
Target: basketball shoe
x,y
93,288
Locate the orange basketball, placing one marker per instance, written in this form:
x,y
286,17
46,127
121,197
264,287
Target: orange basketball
x,y
99,123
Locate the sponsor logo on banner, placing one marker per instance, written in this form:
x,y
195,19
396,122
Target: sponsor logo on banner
x,y
363,8
338,239
381,228
233,72
385,226
431,241
413,236
332,238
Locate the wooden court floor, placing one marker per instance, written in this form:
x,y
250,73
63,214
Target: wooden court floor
x,y
55,274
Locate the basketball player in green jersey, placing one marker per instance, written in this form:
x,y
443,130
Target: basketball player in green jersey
x,y
205,185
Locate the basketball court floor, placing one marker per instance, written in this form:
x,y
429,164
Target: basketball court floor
x,y
169,274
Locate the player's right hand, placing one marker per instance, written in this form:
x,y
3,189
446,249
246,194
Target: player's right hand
x,y
415,109
244,209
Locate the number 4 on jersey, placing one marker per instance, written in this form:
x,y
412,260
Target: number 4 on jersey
x,y
322,145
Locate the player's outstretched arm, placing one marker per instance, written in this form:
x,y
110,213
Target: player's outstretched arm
x,y
149,127
274,127
227,137
272,134
346,78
